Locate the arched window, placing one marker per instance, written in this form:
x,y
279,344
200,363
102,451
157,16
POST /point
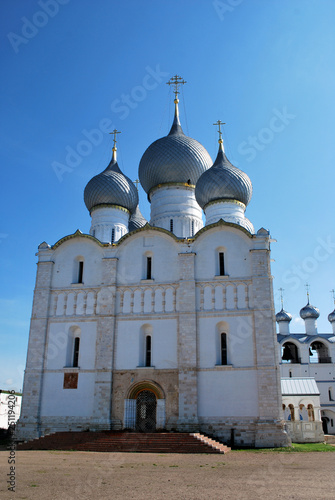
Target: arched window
x,y
223,347
171,225
192,228
290,353
330,394
149,268
76,351
113,236
220,261
78,270
318,353
221,264
148,350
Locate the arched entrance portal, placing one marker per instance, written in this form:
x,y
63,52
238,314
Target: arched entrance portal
x,y
146,407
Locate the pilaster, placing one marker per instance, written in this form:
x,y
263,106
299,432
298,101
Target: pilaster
x,y
187,342
105,345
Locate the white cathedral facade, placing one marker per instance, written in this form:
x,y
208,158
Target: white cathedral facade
x,y
162,325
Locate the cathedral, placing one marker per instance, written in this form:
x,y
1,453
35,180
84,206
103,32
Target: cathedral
x,y
160,325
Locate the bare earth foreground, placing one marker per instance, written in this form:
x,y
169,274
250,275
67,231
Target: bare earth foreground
x,y
237,475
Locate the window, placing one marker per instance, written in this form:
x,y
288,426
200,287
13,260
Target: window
x,y
113,236
332,422
221,263
290,374
149,265
148,350
80,271
76,351
330,394
192,228
310,411
171,225
223,348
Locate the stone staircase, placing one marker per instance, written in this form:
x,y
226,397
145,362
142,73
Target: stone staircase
x,y
113,441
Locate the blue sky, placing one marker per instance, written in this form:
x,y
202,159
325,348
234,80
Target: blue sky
x,y
267,69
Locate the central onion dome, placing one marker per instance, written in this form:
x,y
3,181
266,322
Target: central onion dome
x,y
223,181
175,158
283,316
309,311
111,187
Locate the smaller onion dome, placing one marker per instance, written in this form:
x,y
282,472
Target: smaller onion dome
x,y
223,181
309,311
331,316
136,220
111,187
283,316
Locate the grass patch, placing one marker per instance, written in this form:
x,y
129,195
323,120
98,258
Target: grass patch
x,y
296,447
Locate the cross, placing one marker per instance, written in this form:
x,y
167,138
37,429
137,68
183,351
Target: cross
x,y
219,123
176,80
137,183
114,139
333,294
281,296
307,286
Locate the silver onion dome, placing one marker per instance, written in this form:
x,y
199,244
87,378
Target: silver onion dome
x,y
223,181
136,220
175,158
309,311
331,316
283,316
111,187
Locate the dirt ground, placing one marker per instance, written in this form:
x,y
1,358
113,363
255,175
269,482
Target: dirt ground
x,y
237,475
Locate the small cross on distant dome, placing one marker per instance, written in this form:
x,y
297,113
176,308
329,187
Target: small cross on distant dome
x,y
219,123
136,183
176,80
281,296
307,286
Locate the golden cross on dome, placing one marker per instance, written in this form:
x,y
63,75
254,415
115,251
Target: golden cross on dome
x,y
114,139
281,297
219,123
176,80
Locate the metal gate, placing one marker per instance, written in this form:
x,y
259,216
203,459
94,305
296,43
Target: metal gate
x,y
146,405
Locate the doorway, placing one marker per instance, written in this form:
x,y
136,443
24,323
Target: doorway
x,y
146,410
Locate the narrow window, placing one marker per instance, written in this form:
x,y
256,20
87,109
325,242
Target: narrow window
x,y
76,351
171,225
148,350
290,374
332,422
113,236
149,268
192,228
80,271
223,349
330,394
93,233
221,263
